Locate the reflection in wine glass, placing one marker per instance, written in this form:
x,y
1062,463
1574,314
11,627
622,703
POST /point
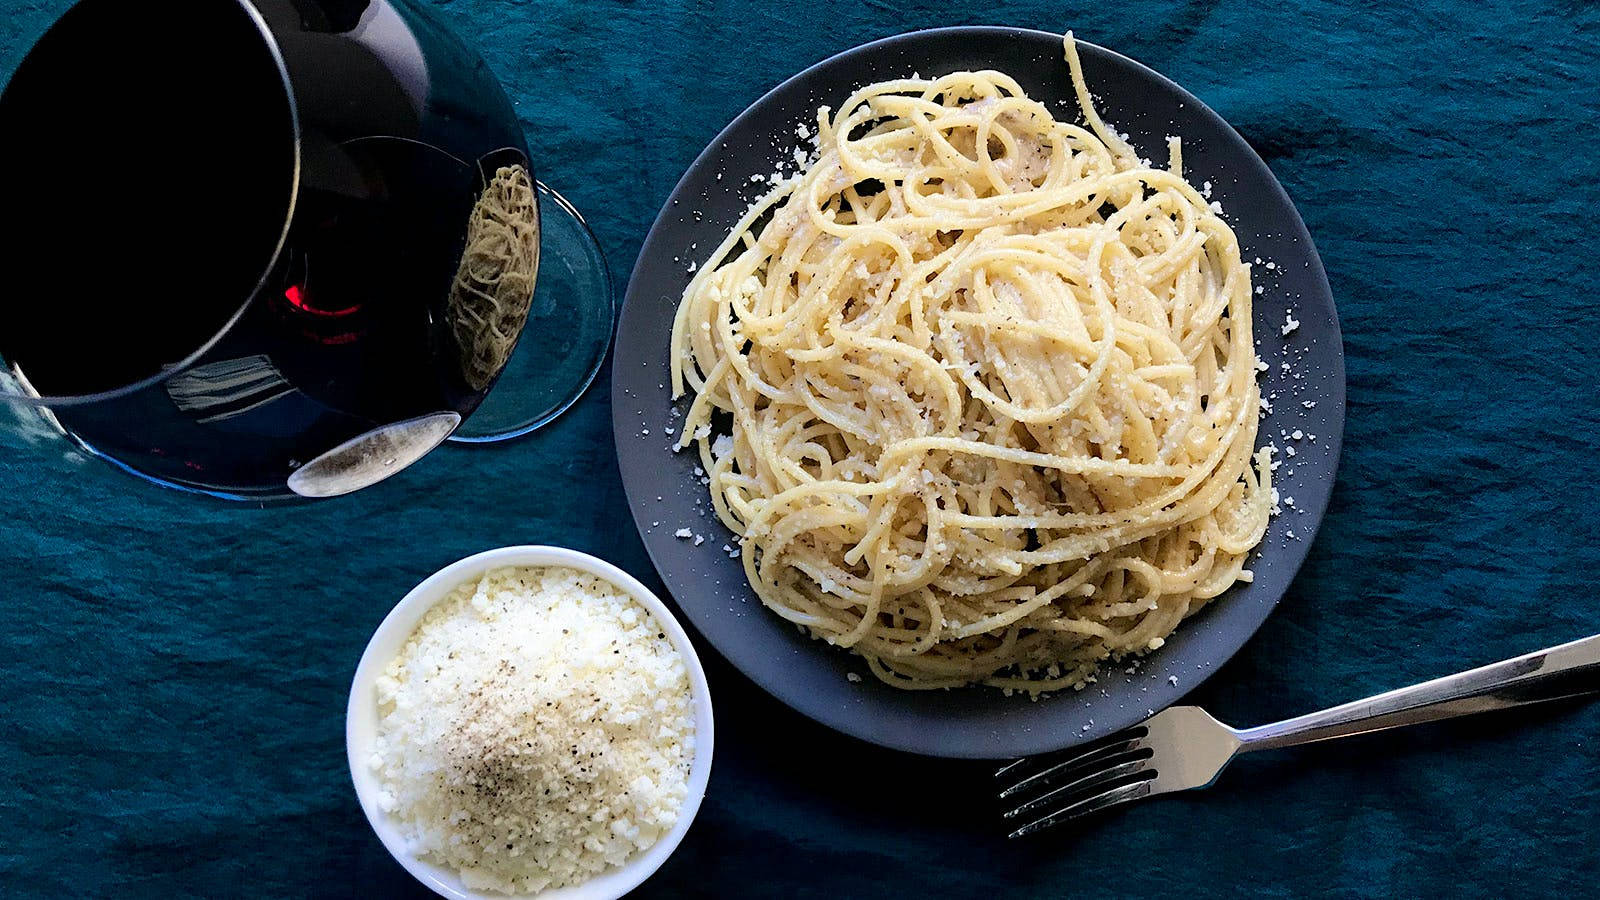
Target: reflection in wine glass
x,y
493,288
222,390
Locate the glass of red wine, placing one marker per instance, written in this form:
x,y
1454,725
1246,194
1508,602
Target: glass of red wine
x,y
282,248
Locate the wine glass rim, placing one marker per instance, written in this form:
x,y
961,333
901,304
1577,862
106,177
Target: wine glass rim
x,y
32,397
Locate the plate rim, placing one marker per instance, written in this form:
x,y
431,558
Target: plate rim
x,y
792,695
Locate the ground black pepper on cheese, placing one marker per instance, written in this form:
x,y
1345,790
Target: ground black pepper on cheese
x,y
535,731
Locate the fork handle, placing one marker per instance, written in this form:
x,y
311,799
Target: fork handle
x,y
1564,671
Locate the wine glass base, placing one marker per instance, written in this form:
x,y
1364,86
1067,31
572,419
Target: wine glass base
x,y
567,335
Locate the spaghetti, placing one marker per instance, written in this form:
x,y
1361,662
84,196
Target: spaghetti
x,y
976,389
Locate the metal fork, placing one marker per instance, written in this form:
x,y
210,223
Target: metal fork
x,y
1184,748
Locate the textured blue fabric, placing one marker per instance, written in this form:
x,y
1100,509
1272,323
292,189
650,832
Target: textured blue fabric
x,y
173,672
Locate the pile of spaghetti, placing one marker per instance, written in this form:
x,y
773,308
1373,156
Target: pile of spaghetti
x,y
977,389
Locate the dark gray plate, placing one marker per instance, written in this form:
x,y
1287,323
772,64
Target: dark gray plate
x,y
811,676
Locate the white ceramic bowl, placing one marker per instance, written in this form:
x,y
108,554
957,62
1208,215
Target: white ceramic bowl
x,y
361,722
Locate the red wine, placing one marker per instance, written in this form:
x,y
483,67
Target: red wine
x,y
150,161
250,214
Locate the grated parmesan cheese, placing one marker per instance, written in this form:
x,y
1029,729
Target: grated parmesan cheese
x,y
535,730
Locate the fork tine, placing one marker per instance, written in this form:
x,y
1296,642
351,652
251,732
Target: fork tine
x,y
1092,755
1012,766
1089,784
1117,795
1075,752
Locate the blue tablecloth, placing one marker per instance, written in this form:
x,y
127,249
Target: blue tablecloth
x,y
174,672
